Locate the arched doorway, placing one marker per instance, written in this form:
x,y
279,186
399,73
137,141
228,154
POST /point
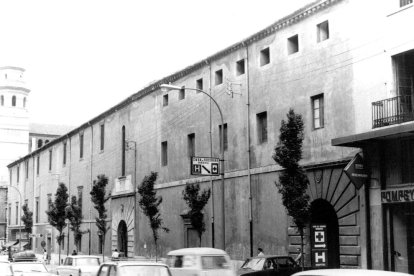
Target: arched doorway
x,y
323,215
123,238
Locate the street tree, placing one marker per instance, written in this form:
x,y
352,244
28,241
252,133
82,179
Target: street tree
x,y
149,203
293,181
196,203
74,214
27,219
99,198
56,214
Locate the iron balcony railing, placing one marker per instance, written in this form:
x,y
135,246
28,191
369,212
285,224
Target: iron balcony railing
x,y
392,111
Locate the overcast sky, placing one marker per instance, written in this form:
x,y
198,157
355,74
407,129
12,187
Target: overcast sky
x,y
84,56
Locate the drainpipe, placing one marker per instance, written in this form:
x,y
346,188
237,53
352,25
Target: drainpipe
x,y
90,210
211,154
249,176
70,150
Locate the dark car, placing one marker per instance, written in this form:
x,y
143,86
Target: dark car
x,y
25,256
269,266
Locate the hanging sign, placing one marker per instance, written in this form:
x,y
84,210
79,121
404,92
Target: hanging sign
x,y
356,171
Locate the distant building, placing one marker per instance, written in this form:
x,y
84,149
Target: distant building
x,y
18,136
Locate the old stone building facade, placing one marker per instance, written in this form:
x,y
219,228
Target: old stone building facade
x,y
328,61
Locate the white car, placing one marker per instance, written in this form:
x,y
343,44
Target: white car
x,y
348,272
79,265
200,261
133,268
29,269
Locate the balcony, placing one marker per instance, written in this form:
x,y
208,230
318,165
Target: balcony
x,y
392,111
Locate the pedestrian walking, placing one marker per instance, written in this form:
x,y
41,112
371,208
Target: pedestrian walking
x,y
74,253
261,253
115,255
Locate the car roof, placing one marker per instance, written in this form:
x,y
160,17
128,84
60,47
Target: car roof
x,y
83,257
198,251
270,256
135,263
353,272
35,262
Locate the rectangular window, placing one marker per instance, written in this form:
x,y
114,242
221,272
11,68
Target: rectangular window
x,y
317,111
50,160
322,31
26,166
64,153
293,44
191,145
17,213
199,84
225,143
165,100
81,145
264,57
405,2
164,153
261,127
181,93
102,128
38,165
37,210
240,67
9,222
218,79
80,197
49,200
18,174
407,160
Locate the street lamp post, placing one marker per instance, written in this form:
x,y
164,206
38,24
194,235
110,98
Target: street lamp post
x,y
167,87
20,220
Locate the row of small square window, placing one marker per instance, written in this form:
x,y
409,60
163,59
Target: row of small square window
x,y
261,121
293,47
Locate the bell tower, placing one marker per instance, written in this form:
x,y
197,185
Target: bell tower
x,y
14,118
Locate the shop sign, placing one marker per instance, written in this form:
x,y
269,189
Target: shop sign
x,y
319,245
397,195
356,171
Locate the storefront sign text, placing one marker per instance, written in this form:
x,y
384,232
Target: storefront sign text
x,y
397,195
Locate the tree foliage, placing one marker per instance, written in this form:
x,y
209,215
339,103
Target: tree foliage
x,y
74,214
56,214
27,219
149,203
293,181
196,203
99,198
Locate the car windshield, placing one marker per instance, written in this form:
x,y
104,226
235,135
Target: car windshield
x,y
138,270
26,267
5,269
86,261
214,262
255,264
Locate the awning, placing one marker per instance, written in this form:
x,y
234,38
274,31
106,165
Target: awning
x,y
11,243
380,134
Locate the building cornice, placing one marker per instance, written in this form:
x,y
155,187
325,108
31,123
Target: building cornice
x,y
282,23
14,88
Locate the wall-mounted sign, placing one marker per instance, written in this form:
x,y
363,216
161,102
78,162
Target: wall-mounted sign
x,y
319,245
205,166
356,171
397,195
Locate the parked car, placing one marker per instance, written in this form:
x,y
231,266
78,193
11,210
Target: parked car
x,y
78,265
271,265
133,268
30,269
348,272
5,268
25,256
200,261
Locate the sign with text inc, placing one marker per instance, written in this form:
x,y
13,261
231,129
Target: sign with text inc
x,y
319,245
205,166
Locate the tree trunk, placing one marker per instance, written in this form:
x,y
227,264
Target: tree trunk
x,y
302,259
103,248
156,251
60,243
